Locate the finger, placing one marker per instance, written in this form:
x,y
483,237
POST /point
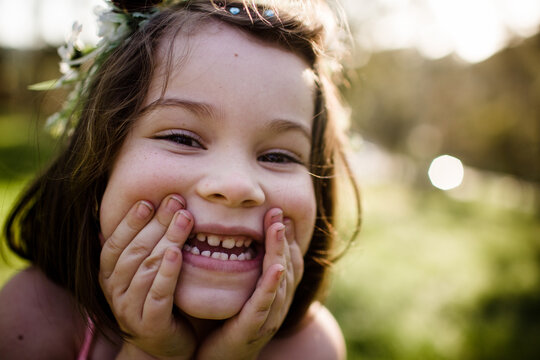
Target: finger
x,y
259,305
176,236
295,253
159,302
168,208
272,216
144,242
275,246
136,218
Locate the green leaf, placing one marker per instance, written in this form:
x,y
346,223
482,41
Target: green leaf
x,y
44,85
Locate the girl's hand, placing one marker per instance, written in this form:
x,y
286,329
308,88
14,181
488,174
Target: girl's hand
x,y
140,264
244,335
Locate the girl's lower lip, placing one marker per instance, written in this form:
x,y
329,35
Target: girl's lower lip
x,y
212,264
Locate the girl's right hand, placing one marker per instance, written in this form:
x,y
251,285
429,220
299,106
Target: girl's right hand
x,y
139,268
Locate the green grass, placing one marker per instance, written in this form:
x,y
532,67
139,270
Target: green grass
x,y
425,273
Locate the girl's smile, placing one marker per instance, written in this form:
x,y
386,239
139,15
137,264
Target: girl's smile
x,y
231,134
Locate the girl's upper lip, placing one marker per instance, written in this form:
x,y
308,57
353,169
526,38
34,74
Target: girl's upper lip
x,y
219,229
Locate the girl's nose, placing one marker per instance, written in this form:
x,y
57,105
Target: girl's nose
x,y
233,186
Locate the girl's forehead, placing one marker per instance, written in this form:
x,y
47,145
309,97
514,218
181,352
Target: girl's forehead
x,y
214,39
216,55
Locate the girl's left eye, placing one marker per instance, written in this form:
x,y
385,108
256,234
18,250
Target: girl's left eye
x,y
279,158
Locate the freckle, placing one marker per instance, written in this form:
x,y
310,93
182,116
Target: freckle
x,y
235,55
20,337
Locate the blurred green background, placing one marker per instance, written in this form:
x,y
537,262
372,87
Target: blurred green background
x,y
434,274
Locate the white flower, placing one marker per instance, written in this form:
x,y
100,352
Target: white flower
x,y
113,27
68,50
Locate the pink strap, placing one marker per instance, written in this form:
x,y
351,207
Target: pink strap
x,y
88,337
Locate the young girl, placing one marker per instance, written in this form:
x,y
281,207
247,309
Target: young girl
x,y
191,214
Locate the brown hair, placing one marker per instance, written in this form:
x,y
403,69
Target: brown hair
x,y
55,222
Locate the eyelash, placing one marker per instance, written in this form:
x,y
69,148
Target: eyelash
x,y
282,158
186,139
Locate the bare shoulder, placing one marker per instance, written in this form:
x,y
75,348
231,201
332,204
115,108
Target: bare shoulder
x,y
318,337
38,319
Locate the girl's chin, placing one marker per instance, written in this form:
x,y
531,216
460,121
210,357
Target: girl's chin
x,y
213,289
211,304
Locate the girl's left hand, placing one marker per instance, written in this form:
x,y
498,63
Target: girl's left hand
x,y
244,335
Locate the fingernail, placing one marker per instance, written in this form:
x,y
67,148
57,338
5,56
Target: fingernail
x,y
281,273
182,219
175,203
171,255
144,209
277,217
289,233
281,232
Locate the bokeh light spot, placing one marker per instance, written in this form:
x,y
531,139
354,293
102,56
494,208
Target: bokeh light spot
x,y
446,172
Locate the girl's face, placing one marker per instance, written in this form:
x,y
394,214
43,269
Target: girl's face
x,y
234,141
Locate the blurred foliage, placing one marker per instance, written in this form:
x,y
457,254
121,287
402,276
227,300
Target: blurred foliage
x,y
436,278
24,148
486,114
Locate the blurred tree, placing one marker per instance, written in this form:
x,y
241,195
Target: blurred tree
x,y
487,114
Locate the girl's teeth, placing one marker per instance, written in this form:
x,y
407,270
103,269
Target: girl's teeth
x,y
213,240
248,255
228,243
201,237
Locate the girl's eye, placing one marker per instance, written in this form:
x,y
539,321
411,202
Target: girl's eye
x,y
182,139
279,158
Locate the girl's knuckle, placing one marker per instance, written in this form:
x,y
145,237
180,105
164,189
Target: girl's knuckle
x,y
150,264
138,249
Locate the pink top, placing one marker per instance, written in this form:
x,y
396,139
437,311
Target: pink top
x,y
87,344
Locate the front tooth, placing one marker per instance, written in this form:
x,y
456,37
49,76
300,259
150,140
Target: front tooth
x,y
228,243
195,250
201,237
242,256
213,240
216,255
233,257
247,243
224,256
206,253
239,243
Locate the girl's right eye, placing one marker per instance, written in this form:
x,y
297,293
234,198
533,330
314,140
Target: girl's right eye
x,y
182,138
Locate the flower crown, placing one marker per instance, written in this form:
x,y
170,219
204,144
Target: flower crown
x,y
117,22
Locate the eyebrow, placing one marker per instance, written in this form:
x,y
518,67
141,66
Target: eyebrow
x,y
198,108
205,110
